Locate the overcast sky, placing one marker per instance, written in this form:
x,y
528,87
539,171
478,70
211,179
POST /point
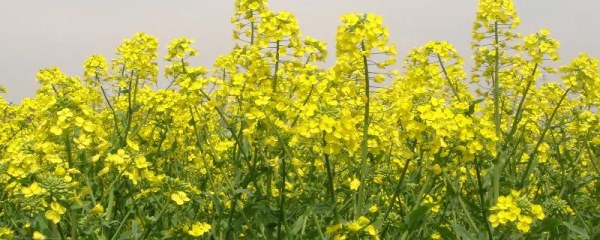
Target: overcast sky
x,y
41,34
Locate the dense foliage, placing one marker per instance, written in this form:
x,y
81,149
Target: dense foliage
x,y
268,144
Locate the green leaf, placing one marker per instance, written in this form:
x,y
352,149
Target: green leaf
x,y
445,233
577,229
549,224
416,216
462,232
322,209
298,225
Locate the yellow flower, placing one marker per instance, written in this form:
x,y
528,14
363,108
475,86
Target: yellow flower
x,y
33,190
514,213
56,210
569,210
333,228
537,211
140,162
340,237
56,130
373,209
494,220
354,183
362,220
97,209
262,100
133,145
436,169
6,233
38,236
524,224
379,78
199,229
371,230
179,197
354,226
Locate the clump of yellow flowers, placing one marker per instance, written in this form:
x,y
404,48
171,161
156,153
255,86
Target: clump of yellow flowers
x,y
361,228
269,144
515,210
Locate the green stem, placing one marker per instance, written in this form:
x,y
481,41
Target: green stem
x,y
365,140
460,201
497,122
275,76
452,86
282,200
331,189
482,201
533,153
112,109
57,231
321,235
122,223
396,193
109,213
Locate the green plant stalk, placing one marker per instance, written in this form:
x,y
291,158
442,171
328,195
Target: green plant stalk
x,y
365,140
288,153
57,231
460,201
520,109
282,200
123,138
72,213
73,221
227,125
331,188
109,213
497,122
394,197
533,153
481,192
151,227
591,155
276,70
114,237
198,140
518,117
452,86
112,109
321,236
426,189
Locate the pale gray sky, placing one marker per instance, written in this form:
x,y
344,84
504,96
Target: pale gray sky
x,y
45,33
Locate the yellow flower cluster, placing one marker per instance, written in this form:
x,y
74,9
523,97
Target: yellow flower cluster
x,y
180,49
197,229
514,209
138,55
501,11
95,66
540,44
361,227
